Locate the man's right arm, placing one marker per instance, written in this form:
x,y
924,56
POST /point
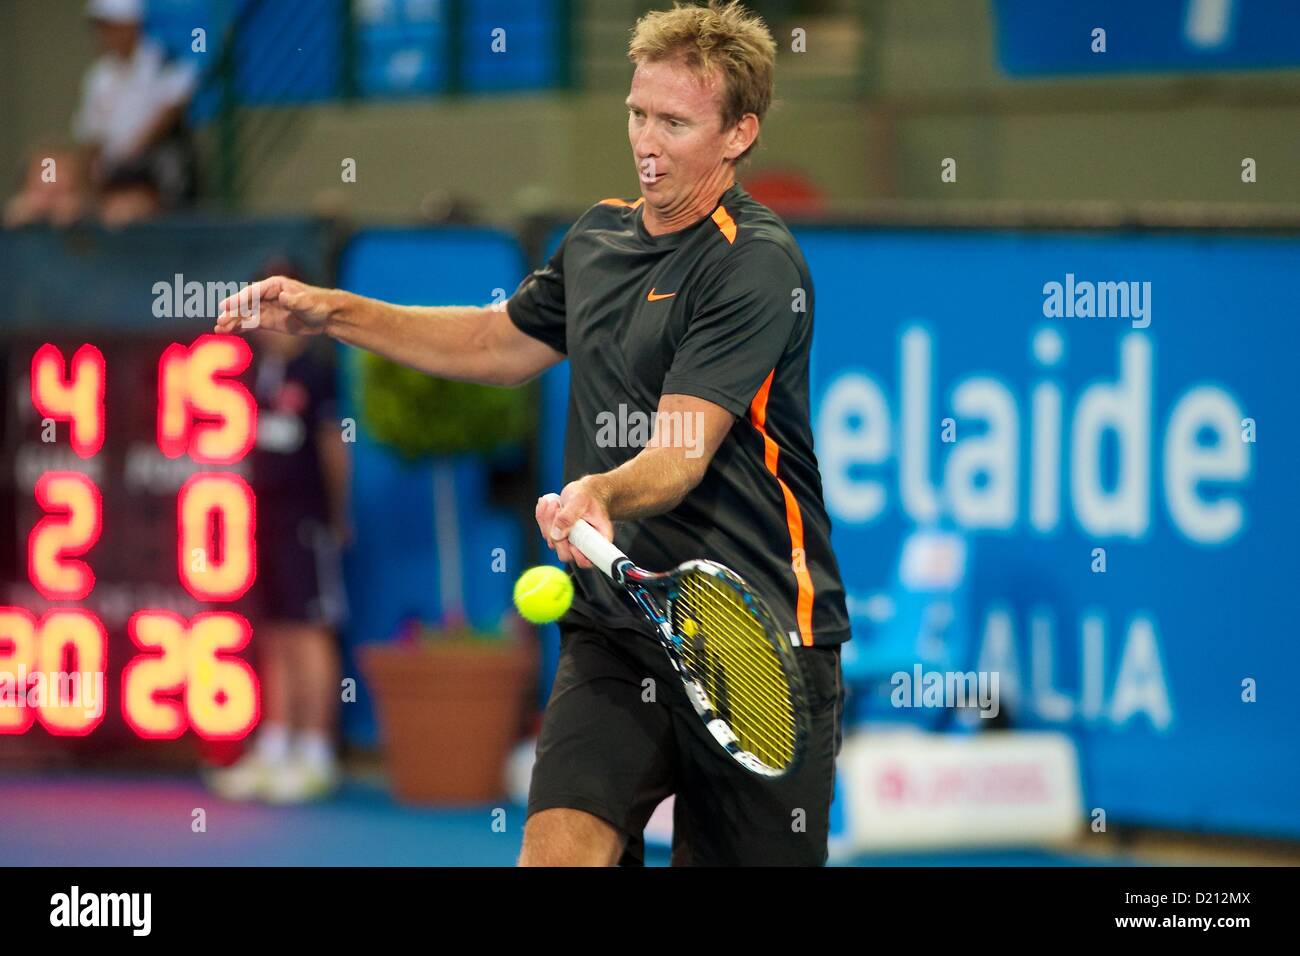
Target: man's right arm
x,y
465,343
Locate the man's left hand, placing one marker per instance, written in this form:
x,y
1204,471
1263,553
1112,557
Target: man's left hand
x,y
579,499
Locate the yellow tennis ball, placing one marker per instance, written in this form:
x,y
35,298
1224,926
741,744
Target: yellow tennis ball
x,y
543,594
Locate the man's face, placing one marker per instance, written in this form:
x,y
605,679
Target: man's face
x,y
674,124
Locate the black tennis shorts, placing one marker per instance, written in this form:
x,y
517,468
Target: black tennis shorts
x,y
619,736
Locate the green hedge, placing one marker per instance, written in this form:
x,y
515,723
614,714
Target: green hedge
x,y
418,415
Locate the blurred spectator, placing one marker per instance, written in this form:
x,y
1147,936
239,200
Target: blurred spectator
x,y
131,118
55,189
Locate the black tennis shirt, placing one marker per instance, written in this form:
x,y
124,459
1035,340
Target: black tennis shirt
x,y
721,310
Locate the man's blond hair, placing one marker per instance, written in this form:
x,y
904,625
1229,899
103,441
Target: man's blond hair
x,y
720,35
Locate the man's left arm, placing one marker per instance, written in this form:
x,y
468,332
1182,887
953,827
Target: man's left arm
x,y
687,434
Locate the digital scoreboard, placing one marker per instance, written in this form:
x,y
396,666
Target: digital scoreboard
x,y
127,538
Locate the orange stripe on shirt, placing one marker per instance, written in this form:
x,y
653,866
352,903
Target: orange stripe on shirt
x,y
793,516
724,222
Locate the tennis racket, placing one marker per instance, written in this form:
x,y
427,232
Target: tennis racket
x,y
736,664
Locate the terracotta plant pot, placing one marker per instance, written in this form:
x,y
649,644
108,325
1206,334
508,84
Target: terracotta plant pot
x,y
450,711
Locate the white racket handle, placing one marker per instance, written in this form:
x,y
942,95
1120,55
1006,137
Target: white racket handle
x,y
603,554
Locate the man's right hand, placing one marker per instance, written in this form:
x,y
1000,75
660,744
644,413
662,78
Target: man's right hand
x,y
279,304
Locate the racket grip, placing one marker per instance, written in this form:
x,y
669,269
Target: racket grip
x,y
603,554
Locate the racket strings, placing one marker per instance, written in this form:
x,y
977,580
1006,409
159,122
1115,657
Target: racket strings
x,y
745,685
729,652
766,687
765,680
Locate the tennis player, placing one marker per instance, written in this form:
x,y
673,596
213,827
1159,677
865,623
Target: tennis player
x,y
691,307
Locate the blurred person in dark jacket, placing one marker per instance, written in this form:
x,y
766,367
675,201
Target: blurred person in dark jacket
x,y
300,469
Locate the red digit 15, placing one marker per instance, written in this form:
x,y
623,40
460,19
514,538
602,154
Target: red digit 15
x,y
195,382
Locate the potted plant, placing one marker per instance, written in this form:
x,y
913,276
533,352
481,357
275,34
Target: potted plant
x,y
450,699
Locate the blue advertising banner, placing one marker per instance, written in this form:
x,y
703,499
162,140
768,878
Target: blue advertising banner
x,y
1044,37
1105,419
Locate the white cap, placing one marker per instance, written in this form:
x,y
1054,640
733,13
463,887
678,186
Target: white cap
x,y
116,11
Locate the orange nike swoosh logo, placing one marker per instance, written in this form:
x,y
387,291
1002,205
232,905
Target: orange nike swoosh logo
x,y
655,298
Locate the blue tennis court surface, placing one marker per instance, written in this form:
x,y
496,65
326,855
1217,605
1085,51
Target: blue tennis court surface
x,y
106,819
